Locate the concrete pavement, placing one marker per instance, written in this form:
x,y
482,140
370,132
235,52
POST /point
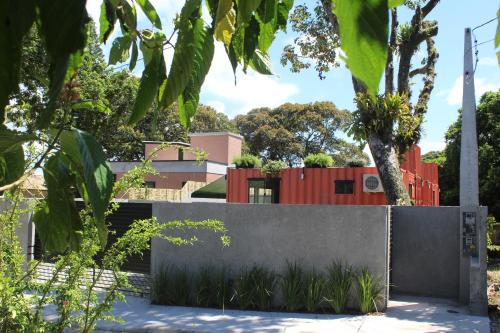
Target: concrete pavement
x,y
404,314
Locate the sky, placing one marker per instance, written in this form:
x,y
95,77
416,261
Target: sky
x,y
255,90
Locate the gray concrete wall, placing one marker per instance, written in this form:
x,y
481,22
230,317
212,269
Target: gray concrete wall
x,y
24,232
425,251
312,235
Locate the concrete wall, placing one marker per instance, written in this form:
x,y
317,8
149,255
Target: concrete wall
x,y
24,232
425,251
270,235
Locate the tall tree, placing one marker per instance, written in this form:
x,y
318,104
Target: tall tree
x,y
292,131
488,141
390,122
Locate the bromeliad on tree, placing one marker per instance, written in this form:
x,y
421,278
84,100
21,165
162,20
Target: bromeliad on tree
x,y
389,121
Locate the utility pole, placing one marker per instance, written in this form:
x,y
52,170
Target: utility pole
x,y
472,217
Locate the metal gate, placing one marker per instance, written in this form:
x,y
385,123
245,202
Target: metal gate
x,y
119,222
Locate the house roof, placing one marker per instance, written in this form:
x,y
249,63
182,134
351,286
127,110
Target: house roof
x,y
214,190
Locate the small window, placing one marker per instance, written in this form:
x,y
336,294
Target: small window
x,y
410,190
180,154
344,186
150,184
261,191
434,198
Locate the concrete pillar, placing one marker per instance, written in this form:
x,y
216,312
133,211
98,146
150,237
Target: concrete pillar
x,y
472,217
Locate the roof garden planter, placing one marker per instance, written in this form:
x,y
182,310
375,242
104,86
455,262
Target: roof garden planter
x,y
319,160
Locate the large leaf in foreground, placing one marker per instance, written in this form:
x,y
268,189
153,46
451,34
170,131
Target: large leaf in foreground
x,y
11,165
150,12
364,32
56,219
89,161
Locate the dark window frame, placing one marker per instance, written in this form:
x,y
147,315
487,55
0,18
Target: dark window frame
x,y
272,184
148,183
342,186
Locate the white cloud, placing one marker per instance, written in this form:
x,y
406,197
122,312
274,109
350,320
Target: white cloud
x,y
428,145
487,61
454,95
217,105
251,91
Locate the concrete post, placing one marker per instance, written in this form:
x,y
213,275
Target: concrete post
x,y
472,221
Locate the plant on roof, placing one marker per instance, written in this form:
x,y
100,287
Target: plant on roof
x,y
273,169
320,160
247,161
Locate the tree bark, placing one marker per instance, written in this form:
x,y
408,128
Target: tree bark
x,y
387,162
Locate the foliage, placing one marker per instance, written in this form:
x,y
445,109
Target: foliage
x,y
338,286
490,229
390,121
370,291
254,288
213,287
273,169
319,160
488,137
292,131
247,161
434,156
315,283
170,286
293,287
356,163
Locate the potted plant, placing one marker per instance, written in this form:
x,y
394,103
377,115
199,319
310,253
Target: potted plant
x,y
247,161
320,160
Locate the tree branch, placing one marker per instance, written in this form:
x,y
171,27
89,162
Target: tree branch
x,y
430,74
327,5
429,7
389,66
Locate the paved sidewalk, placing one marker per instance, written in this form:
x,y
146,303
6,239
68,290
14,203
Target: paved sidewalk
x,y
405,314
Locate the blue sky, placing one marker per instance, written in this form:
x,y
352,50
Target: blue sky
x,y
255,90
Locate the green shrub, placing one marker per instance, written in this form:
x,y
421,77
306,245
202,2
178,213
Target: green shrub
x,y
356,163
293,287
315,288
338,286
244,289
490,225
255,288
212,287
247,161
370,291
273,168
319,160
170,286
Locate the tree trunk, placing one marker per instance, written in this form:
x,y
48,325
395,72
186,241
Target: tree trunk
x,y
387,162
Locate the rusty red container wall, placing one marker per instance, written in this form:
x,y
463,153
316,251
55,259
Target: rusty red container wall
x,y
317,186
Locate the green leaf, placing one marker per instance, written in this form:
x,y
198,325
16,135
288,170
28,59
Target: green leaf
x,y
267,10
203,55
364,32
133,57
119,50
148,88
497,36
395,3
266,35
127,16
188,41
498,57
261,63
20,14
107,20
57,220
86,154
246,9
284,8
150,12
10,139
224,21
11,165
63,25
250,42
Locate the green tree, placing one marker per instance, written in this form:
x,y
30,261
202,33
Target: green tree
x,y
388,121
488,130
434,156
290,132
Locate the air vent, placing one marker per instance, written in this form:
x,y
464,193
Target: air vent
x,y
372,183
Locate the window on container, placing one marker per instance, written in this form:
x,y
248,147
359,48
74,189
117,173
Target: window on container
x,y
410,190
433,197
180,154
149,184
344,186
262,191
